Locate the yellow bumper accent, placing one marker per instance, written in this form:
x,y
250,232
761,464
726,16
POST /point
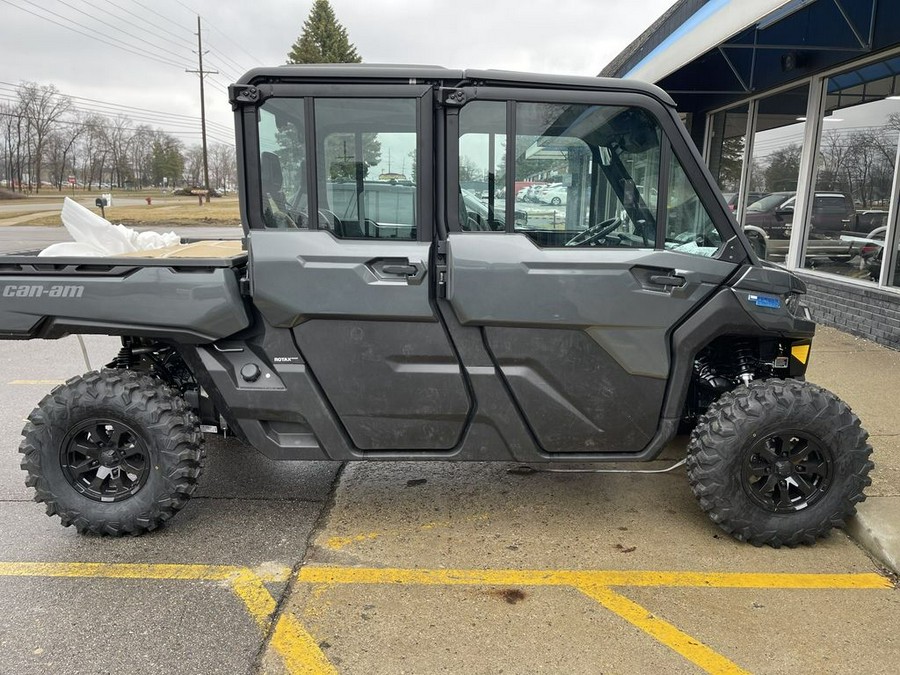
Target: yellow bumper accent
x,y
801,353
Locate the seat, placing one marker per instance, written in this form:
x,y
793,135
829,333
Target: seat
x,y
274,203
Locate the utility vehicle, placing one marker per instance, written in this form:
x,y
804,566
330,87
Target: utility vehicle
x,y
359,320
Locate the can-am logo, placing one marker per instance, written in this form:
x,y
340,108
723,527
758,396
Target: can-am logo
x,y
41,291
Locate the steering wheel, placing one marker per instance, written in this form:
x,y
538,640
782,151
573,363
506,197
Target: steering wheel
x,y
595,232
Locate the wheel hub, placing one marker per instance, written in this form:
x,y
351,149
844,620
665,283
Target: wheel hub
x,y
784,468
109,458
105,460
787,471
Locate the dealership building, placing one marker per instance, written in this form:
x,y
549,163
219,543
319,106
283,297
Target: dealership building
x,y
796,108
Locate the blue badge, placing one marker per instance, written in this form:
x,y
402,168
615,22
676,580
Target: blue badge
x,y
765,301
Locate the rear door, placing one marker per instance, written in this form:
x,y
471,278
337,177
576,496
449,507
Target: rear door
x,y
577,299
340,243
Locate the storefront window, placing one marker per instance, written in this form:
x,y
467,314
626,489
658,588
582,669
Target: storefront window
x,y
726,151
856,163
774,170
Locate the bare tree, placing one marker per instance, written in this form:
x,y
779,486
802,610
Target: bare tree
x,y
223,166
42,108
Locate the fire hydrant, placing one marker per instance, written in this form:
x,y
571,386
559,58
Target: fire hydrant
x,y
149,200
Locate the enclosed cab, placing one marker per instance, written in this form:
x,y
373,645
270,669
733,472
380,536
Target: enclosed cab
x,y
404,303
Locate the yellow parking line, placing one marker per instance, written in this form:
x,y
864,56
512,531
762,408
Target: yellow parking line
x,y
690,648
596,585
451,577
301,654
298,649
120,571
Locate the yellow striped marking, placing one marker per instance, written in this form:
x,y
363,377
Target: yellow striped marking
x,y
449,577
596,585
53,382
301,654
690,648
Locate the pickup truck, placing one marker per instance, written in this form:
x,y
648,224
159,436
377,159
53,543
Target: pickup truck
x,y
386,322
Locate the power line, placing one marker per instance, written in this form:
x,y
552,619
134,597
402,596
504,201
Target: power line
x,y
127,110
184,43
96,35
153,45
231,40
171,132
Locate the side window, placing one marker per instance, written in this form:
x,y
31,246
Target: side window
x,y
689,229
282,160
482,166
366,167
587,175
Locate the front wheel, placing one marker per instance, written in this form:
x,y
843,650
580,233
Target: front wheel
x,y
113,452
779,462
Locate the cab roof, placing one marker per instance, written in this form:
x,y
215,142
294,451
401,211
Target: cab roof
x,y
416,74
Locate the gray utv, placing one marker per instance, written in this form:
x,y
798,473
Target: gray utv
x,y
393,298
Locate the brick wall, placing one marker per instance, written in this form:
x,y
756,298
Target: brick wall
x,y
871,313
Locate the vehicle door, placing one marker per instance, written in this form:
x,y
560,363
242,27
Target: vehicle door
x,y
577,299
340,239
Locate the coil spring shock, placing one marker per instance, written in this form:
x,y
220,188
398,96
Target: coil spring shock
x,y
745,360
124,359
705,373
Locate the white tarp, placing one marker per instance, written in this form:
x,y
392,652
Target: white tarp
x,y
96,236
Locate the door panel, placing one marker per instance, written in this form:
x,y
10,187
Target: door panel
x,y
396,385
363,321
581,334
574,395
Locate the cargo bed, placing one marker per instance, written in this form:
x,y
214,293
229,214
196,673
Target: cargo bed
x,y
189,292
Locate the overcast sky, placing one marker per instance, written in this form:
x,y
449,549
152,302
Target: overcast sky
x,y
569,37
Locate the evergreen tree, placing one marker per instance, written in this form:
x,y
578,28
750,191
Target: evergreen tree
x,y
323,40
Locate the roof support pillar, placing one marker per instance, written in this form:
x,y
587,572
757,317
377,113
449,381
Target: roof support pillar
x,y
808,170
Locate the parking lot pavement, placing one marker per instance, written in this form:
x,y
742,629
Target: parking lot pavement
x,y
473,568
419,568
196,596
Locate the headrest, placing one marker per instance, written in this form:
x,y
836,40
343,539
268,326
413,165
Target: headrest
x,y
270,166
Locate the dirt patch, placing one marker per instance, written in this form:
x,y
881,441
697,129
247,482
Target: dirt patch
x,y
6,194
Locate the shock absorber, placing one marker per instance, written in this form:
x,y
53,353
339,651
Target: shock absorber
x,y
123,358
707,375
745,360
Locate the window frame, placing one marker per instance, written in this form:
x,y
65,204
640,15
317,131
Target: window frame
x,y
420,93
671,142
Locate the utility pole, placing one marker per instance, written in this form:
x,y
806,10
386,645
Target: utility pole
x,y
203,73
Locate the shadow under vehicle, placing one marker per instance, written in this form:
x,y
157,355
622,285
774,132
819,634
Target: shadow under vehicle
x,y
363,320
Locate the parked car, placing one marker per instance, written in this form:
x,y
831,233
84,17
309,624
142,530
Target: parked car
x,y
768,223
731,198
554,195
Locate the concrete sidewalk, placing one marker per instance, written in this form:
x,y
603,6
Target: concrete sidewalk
x,y
867,377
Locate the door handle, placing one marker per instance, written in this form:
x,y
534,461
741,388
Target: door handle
x,y
411,270
402,270
666,280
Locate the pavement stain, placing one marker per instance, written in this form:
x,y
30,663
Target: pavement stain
x,y
511,596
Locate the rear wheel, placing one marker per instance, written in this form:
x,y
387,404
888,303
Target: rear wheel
x,y
779,462
112,453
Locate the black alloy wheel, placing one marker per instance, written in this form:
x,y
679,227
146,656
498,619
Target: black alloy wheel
x,y
779,462
787,471
105,460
